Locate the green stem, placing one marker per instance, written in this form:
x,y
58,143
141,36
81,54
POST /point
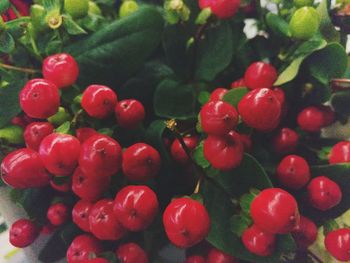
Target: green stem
x,y
24,70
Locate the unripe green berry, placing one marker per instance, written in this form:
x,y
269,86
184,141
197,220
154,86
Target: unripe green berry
x,y
37,14
305,23
94,8
76,8
60,117
127,8
12,134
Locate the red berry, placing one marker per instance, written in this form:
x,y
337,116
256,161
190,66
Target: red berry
x,y
311,119
89,188
340,153
285,141
131,253
280,95
63,187
218,94
328,115
98,260
275,211
293,172
85,133
23,168
195,259
39,98
22,121
23,233
60,153
218,256
61,69
324,193
98,101
35,132
258,242
260,75
129,113
141,162
100,156
186,222
48,229
305,233
337,243
218,118
82,248
222,9
177,151
136,206
58,214
80,214
224,152
260,109
103,223
247,142
239,83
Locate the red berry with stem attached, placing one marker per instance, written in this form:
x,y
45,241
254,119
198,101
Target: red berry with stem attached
x,y
218,94
239,83
35,132
136,206
340,153
260,109
80,214
311,119
293,172
177,151
224,152
217,256
61,69
39,98
83,248
60,153
23,168
305,233
195,259
141,162
23,233
85,133
186,222
275,211
100,156
58,214
337,243
103,223
260,75
285,141
258,242
324,193
98,101
131,253
129,113
218,117
223,9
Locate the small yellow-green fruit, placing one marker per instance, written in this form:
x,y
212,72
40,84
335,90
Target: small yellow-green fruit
x,y
37,14
76,8
60,117
12,134
305,23
94,8
127,8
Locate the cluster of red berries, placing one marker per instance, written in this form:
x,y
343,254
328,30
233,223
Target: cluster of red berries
x,y
22,8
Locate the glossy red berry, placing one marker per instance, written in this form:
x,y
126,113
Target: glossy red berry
x,y
224,152
337,243
80,214
103,223
340,153
195,259
218,117
61,69
324,193
275,211
136,206
58,214
39,98
23,168
305,233
239,83
98,101
85,133
285,141
260,109
83,248
311,119
260,75
293,172
23,233
280,95
217,256
35,132
100,155
186,222
131,253
129,113
222,9
60,153
177,151
98,260
141,162
89,188
218,94
258,242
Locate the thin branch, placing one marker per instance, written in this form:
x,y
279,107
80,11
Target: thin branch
x,y
24,70
316,258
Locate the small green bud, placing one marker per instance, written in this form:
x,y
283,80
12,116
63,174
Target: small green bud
x,y
127,8
54,19
12,134
94,8
76,8
37,14
60,117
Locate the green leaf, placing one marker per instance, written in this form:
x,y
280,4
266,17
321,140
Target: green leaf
x,y
214,52
4,5
64,128
7,43
239,223
71,26
326,26
234,96
111,55
340,102
198,156
278,25
174,100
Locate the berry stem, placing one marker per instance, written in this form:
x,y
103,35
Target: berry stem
x,y
24,70
76,117
316,258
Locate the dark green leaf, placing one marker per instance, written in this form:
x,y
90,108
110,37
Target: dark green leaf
x,y
7,43
198,156
4,5
278,25
71,26
234,96
239,223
